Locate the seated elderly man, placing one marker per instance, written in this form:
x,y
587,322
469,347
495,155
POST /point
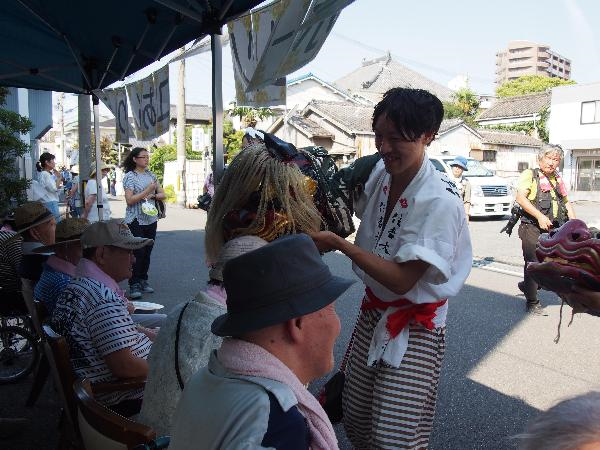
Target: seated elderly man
x,y
185,342
283,326
104,342
37,225
60,267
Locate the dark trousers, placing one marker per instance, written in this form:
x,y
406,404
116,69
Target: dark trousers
x,y
529,235
142,256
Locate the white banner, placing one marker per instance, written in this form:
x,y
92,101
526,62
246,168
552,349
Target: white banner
x,y
248,37
149,99
298,33
116,101
163,100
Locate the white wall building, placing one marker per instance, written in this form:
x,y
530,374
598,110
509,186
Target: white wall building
x,y
575,125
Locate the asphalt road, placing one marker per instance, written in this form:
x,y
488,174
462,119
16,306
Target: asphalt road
x,y
501,366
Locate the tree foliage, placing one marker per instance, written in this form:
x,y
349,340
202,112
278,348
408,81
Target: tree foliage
x,y
12,186
464,105
232,140
250,116
529,84
159,156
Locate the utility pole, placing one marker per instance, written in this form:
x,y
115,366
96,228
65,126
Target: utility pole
x,y
61,106
84,122
181,163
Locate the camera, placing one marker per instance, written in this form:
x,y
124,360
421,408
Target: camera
x,y
515,214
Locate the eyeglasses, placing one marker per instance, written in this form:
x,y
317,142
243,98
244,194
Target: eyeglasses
x,y
141,157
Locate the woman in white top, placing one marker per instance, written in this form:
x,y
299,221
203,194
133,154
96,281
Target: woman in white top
x,y
50,179
90,211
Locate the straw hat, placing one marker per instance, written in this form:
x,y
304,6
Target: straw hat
x,y
31,214
232,249
67,231
103,166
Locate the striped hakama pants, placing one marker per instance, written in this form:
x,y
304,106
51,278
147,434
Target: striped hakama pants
x,y
392,408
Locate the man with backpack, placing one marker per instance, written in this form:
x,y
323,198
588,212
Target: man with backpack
x,y
542,194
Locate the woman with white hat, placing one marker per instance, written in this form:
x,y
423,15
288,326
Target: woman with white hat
x,y
90,211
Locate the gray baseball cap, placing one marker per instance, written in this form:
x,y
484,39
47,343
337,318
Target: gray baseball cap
x,y
112,232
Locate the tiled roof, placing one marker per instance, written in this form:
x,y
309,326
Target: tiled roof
x,y
523,105
310,127
356,118
508,138
448,124
199,113
377,76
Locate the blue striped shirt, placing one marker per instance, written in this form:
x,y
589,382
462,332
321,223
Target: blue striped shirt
x,y
95,322
50,286
137,182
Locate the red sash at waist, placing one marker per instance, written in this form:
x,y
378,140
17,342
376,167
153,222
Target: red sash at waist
x,y
422,313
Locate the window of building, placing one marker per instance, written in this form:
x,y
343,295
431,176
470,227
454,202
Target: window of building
x,y
489,156
590,112
521,166
588,174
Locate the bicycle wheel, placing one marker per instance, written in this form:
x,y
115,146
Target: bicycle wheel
x,y
18,354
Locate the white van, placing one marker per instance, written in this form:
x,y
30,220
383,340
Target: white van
x,y
490,195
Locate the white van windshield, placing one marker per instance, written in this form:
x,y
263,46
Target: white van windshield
x,y
475,168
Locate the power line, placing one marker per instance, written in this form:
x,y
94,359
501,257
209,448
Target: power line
x,y
408,60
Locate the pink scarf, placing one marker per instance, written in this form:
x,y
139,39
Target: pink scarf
x,y
89,269
248,359
60,265
218,293
545,185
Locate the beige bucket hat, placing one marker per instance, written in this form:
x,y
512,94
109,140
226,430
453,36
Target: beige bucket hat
x,y
232,249
67,231
31,214
103,166
112,232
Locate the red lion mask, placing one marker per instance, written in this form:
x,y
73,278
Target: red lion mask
x,y
568,255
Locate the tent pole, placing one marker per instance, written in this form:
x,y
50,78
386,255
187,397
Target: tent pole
x,y
217,106
99,188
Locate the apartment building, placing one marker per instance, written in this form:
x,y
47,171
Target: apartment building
x,y
530,58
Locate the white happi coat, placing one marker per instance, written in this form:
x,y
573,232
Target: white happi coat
x,y
428,223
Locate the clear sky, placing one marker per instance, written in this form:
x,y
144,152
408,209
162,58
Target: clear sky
x,y
441,39
438,38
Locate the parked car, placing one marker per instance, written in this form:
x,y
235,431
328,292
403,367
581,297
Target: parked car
x,y
490,195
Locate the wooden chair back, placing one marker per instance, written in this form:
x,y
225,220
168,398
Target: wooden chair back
x,y
57,351
103,429
34,310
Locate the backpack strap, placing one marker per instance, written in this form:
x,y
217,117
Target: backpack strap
x,y
177,372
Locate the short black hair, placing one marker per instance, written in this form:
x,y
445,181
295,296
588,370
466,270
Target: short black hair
x,y
413,111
